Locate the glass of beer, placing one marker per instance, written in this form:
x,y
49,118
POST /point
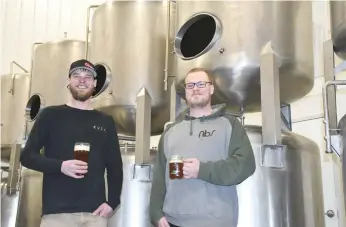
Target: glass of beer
x,y
176,167
81,151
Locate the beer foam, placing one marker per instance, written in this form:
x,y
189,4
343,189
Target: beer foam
x,y
82,147
176,159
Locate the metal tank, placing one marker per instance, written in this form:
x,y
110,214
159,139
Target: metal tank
x,y
30,202
342,135
338,27
50,66
288,196
14,95
227,37
130,39
23,208
135,192
9,207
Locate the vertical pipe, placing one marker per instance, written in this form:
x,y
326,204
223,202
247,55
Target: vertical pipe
x,y
168,29
87,26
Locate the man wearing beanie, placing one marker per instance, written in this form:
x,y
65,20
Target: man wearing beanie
x,y
73,192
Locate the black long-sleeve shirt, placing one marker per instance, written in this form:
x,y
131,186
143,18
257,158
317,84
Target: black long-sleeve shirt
x,y
57,129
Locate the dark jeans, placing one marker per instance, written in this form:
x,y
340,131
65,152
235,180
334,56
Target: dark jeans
x,y
171,225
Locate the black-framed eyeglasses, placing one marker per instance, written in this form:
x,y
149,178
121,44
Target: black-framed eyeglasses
x,y
199,84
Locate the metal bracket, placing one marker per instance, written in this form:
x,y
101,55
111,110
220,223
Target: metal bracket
x,y
286,116
341,67
273,156
336,146
142,172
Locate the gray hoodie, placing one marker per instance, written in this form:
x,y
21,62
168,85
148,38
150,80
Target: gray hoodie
x,y
226,159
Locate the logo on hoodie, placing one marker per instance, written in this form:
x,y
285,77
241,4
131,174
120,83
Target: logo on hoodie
x,y
205,133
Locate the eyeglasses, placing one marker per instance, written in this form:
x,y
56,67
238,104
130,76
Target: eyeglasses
x,y
199,84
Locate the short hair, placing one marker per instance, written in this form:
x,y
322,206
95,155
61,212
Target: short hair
x,y
199,69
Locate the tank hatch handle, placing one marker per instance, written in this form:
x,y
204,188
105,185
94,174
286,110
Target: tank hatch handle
x,y
273,156
142,172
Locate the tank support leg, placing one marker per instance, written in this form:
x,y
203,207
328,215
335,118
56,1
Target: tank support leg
x,y
13,174
272,151
143,127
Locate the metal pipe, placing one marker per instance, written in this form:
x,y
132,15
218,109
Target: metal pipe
x,y
19,66
309,118
325,108
168,31
127,145
88,30
12,74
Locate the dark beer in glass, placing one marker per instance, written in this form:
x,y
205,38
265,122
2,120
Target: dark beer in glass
x,y
81,151
176,167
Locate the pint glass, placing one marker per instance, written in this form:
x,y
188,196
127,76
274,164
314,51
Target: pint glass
x,y
81,151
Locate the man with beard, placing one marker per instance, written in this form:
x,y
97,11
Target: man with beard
x,y
73,192
217,155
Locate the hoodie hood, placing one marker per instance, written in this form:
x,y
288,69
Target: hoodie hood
x,y
217,111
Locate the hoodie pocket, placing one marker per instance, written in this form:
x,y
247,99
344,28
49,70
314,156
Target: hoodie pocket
x,y
223,201
186,197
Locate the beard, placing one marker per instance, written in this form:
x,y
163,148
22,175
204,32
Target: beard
x,y
81,96
198,101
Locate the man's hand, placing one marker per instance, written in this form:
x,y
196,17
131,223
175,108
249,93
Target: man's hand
x,y
74,168
191,168
163,222
104,210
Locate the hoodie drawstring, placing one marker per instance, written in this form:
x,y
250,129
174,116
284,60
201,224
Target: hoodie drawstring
x,y
190,126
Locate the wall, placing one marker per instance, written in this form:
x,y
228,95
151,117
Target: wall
x,y
24,22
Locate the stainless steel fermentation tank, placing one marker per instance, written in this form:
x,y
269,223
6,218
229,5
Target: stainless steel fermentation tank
x,y
20,194
338,27
130,39
227,38
333,137
133,210
290,195
261,56
14,95
50,66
